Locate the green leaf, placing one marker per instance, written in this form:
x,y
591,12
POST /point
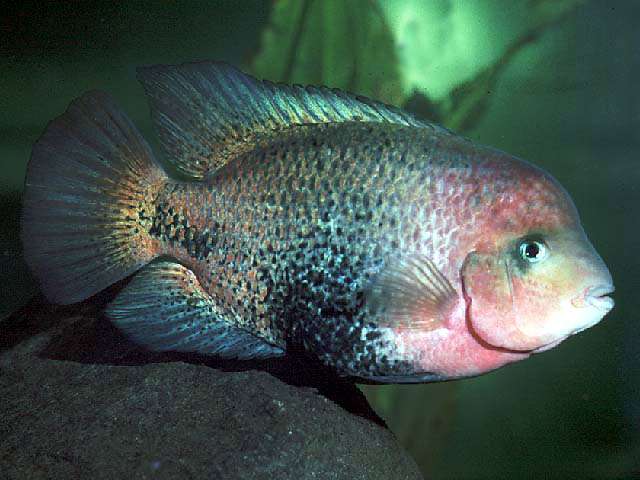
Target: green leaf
x,y
467,102
337,43
440,59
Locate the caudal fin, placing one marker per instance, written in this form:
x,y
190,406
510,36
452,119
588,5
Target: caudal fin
x,y
89,192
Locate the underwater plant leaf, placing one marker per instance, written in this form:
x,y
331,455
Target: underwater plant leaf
x,y
345,45
467,102
451,54
441,60
545,12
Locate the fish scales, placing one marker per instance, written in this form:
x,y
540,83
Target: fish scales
x,y
303,224
389,248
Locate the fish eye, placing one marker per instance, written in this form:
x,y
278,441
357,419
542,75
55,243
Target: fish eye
x,y
533,251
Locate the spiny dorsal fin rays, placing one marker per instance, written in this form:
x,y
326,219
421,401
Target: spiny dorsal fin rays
x,y
411,293
207,113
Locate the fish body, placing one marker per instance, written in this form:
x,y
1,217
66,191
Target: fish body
x,y
390,248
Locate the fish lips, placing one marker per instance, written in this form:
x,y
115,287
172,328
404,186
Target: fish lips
x,y
596,297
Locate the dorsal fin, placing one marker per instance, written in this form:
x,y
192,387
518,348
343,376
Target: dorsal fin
x,y
206,113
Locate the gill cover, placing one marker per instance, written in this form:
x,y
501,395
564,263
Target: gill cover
x,y
492,310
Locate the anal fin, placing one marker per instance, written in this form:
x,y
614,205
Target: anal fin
x,y
164,308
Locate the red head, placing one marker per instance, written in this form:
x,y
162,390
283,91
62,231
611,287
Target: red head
x,y
528,276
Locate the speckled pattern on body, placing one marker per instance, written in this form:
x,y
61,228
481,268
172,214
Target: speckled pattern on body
x,y
287,237
388,247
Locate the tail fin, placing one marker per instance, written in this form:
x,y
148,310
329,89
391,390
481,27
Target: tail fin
x,y
89,195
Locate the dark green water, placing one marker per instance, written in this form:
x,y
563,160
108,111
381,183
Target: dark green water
x,y
565,98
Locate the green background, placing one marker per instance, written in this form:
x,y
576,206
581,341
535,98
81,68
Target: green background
x,y
553,82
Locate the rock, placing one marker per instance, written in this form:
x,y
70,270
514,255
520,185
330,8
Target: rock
x,y
79,401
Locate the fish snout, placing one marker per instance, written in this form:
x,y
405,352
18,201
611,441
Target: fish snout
x,y
596,296
599,298
591,306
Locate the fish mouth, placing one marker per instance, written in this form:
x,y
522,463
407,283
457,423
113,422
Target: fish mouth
x,y
597,297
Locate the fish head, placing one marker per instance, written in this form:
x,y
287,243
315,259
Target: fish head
x,y
533,279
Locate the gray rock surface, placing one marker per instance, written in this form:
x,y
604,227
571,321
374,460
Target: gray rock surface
x,y
79,401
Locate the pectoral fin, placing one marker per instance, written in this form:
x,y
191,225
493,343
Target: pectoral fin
x,y
165,308
411,293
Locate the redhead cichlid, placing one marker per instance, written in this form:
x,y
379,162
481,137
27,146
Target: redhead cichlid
x,y
389,248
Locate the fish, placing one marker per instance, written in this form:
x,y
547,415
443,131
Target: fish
x,y
288,217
